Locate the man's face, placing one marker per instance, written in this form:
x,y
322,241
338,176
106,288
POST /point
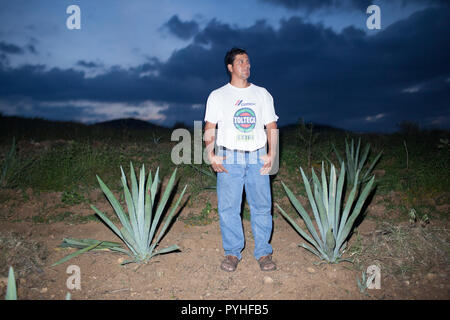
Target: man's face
x,y
240,67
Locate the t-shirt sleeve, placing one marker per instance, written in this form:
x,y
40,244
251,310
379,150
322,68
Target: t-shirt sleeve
x,y
212,109
269,109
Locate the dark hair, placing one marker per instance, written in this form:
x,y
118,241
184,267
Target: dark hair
x,y
229,57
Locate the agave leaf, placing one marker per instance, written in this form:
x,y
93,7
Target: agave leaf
x,y
141,208
113,228
356,155
11,291
313,203
134,186
108,222
130,203
115,204
323,221
349,204
330,241
332,198
337,153
77,253
169,217
298,206
340,188
356,211
133,244
364,157
324,191
309,248
374,162
306,236
162,204
165,250
148,207
82,243
350,163
155,186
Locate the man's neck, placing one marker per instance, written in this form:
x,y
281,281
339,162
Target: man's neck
x,y
239,83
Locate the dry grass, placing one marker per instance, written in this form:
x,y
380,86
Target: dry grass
x,y
26,256
403,249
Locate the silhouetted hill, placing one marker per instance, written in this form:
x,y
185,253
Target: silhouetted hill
x,y
316,127
129,124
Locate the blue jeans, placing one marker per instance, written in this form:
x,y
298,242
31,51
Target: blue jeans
x,y
243,172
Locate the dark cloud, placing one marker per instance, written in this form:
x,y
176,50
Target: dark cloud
x,y
347,79
32,49
183,30
312,5
89,65
9,48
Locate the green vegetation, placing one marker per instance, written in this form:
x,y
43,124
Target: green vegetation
x,y
412,183
203,218
7,164
139,228
11,291
356,162
335,222
140,225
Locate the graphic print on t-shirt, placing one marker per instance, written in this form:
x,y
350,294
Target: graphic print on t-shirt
x,y
244,119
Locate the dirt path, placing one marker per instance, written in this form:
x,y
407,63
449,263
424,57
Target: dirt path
x,y
194,272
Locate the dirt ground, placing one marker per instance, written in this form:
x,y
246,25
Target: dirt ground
x,y
194,272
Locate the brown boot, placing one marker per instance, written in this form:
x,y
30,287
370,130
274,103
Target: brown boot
x,y
266,263
229,264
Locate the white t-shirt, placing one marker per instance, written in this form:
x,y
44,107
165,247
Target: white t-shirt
x,y
240,114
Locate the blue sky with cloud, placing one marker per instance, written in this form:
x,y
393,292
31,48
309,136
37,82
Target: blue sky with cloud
x,y
158,60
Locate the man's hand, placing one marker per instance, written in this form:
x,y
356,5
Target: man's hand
x,y
268,161
216,163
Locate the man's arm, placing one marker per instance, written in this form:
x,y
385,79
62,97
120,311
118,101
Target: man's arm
x,y
272,138
272,142
210,138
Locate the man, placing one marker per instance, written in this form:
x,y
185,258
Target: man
x,y
240,110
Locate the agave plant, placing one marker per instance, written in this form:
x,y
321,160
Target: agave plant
x,y
139,226
356,161
333,223
11,291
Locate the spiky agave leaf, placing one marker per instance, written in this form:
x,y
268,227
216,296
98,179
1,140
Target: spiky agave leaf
x,y
11,291
138,229
333,226
355,160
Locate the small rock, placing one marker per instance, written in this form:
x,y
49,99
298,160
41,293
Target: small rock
x,y
43,290
268,280
431,276
120,260
311,270
406,282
